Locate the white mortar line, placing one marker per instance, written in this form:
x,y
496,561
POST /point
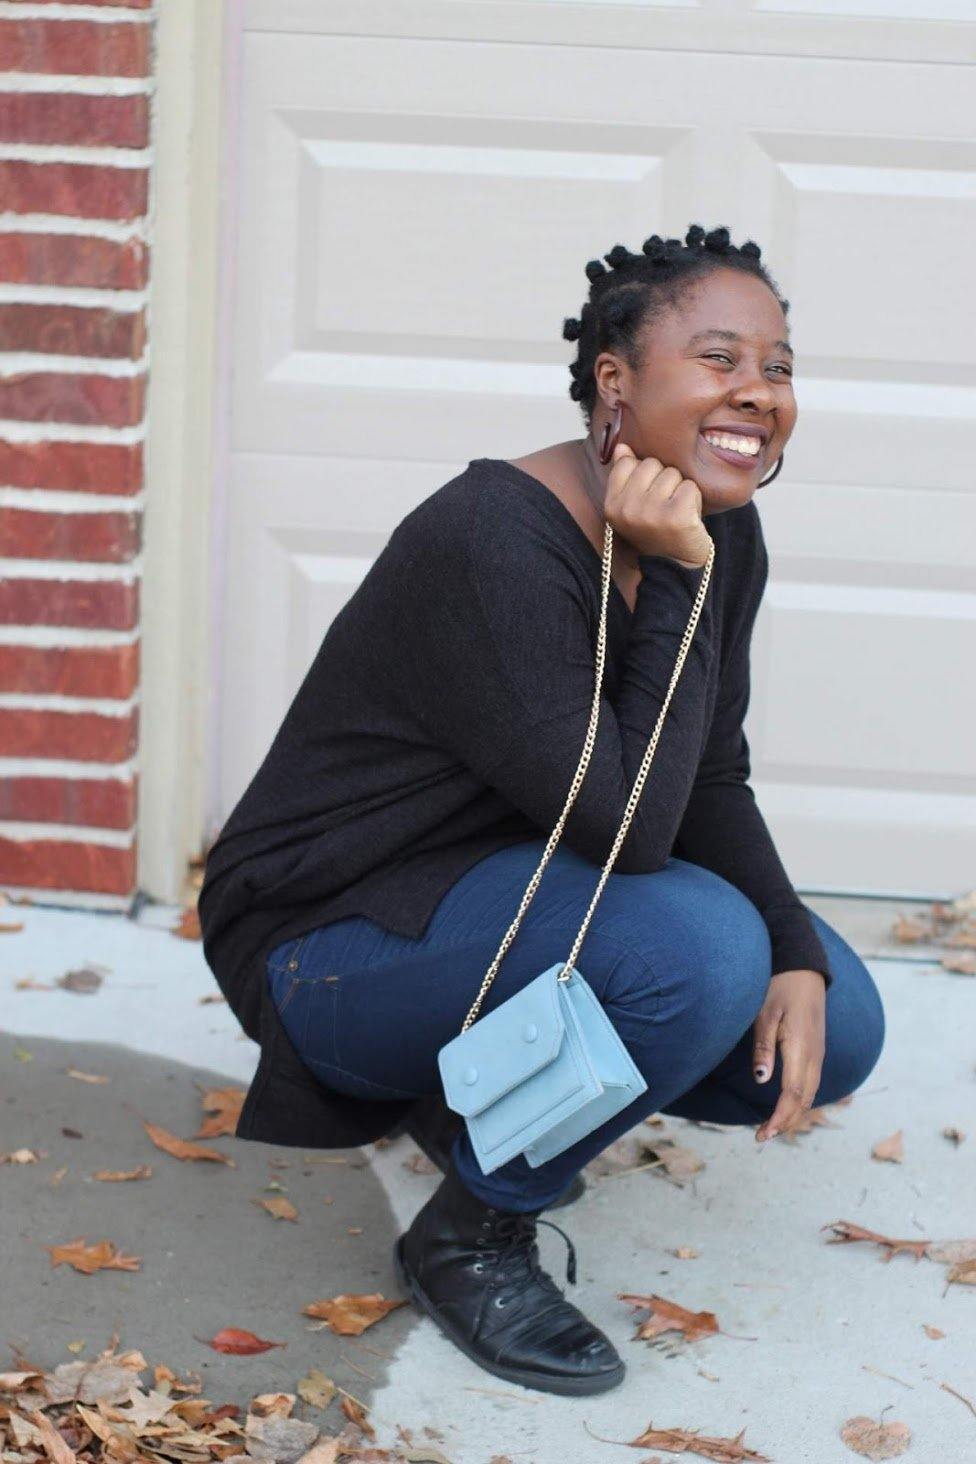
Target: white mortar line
x,y
23,10
118,230
105,155
56,500
22,833
56,701
12,430
127,302
70,569
66,637
60,767
15,363
93,86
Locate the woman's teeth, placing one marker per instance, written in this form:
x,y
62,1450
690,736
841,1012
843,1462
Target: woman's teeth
x,y
748,446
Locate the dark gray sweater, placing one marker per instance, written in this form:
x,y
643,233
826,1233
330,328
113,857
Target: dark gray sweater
x,y
443,717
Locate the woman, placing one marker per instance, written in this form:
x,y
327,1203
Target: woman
x,y
362,886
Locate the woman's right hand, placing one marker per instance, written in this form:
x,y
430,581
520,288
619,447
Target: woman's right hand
x,y
656,509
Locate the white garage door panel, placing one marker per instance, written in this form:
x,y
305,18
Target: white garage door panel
x,y
414,215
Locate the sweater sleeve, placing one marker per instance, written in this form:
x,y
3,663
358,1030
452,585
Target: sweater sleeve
x,y
723,828
505,682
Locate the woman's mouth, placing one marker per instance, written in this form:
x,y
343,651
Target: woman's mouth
x,y
740,458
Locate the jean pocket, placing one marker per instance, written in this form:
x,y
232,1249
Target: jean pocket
x,y
287,956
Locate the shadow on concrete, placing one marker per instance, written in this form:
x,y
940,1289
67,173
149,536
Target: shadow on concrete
x,y
210,1257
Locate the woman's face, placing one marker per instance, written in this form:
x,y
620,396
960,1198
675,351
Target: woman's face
x,y
693,377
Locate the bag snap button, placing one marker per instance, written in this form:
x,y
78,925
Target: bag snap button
x,y
530,1031
470,1075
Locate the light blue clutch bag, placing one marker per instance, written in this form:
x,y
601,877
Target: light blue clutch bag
x,y
547,1066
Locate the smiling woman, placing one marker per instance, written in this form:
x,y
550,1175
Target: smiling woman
x,y
367,879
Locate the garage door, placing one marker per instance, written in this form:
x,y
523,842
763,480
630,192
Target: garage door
x,y
417,190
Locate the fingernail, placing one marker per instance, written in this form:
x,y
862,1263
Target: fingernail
x,y
760,1074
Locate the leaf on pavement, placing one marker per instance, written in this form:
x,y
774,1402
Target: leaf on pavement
x,y
84,981
224,1107
101,1255
144,1171
278,1439
955,1135
846,1230
239,1343
668,1316
875,1440
87,1077
686,1440
678,1162
183,1148
316,1388
934,1332
963,1272
188,926
356,1414
890,1148
350,1315
278,1207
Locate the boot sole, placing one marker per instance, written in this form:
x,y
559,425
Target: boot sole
x,y
572,1387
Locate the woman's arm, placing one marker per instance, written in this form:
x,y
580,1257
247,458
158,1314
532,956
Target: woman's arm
x,y
507,676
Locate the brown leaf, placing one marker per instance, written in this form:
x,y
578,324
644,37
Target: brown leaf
x,y
19,1156
84,981
144,1171
684,1440
963,1272
350,1315
963,964
678,1162
10,927
911,928
953,1250
668,1316
101,1255
183,1148
54,1445
279,1207
87,1077
418,1163
934,1332
875,1440
27,983
890,1148
316,1388
210,998
955,1135
188,927
237,1342
279,1440
846,1230
685,1252
224,1107
356,1414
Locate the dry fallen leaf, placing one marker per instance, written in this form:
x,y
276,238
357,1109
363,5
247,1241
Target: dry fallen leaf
x,y
84,981
237,1342
183,1148
963,1272
279,1439
684,1252
188,926
890,1148
356,1414
933,1332
875,1440
418,1163
955,1135
101,1255
909,928
668,1316
210,998
10,927
350,1315
686,1440
144,1171
28,983
19,1156
279,1208
678,1162
224,1107
846,1230
963,965
316,1388
87,1077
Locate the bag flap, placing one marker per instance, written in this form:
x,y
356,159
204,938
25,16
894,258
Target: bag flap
x,y
503,1048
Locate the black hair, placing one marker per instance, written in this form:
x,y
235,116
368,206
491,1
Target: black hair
x,y
638,288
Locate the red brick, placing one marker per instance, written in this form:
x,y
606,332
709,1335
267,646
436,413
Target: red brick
x,y
72,396
81,736
67,117
106,671
88,467
93,604
100,538
58,864
101,803
121,4
82,190
75,47
72,330
73,259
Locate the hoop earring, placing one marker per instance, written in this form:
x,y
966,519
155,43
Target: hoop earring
x,y
772,474
611,433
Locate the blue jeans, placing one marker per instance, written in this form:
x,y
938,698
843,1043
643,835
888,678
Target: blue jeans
x,y
680,960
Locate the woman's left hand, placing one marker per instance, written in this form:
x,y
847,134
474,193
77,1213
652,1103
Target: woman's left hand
x,y
793,1016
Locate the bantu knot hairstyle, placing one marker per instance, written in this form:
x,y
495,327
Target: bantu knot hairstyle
x,y
637,289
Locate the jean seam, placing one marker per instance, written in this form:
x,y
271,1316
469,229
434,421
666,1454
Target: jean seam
x,y
383,1088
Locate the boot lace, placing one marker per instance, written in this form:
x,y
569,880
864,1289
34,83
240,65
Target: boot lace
x,y
514,1260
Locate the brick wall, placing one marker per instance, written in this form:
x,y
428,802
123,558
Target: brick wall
x,y
74,259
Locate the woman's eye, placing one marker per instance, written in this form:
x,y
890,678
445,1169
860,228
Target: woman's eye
x,y
721,356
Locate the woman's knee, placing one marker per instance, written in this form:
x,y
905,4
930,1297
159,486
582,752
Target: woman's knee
x,y
700,949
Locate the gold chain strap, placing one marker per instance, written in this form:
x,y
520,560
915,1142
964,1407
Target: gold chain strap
x,y
554,837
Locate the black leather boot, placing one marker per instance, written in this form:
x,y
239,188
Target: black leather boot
x,y
433,1127
475,1271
